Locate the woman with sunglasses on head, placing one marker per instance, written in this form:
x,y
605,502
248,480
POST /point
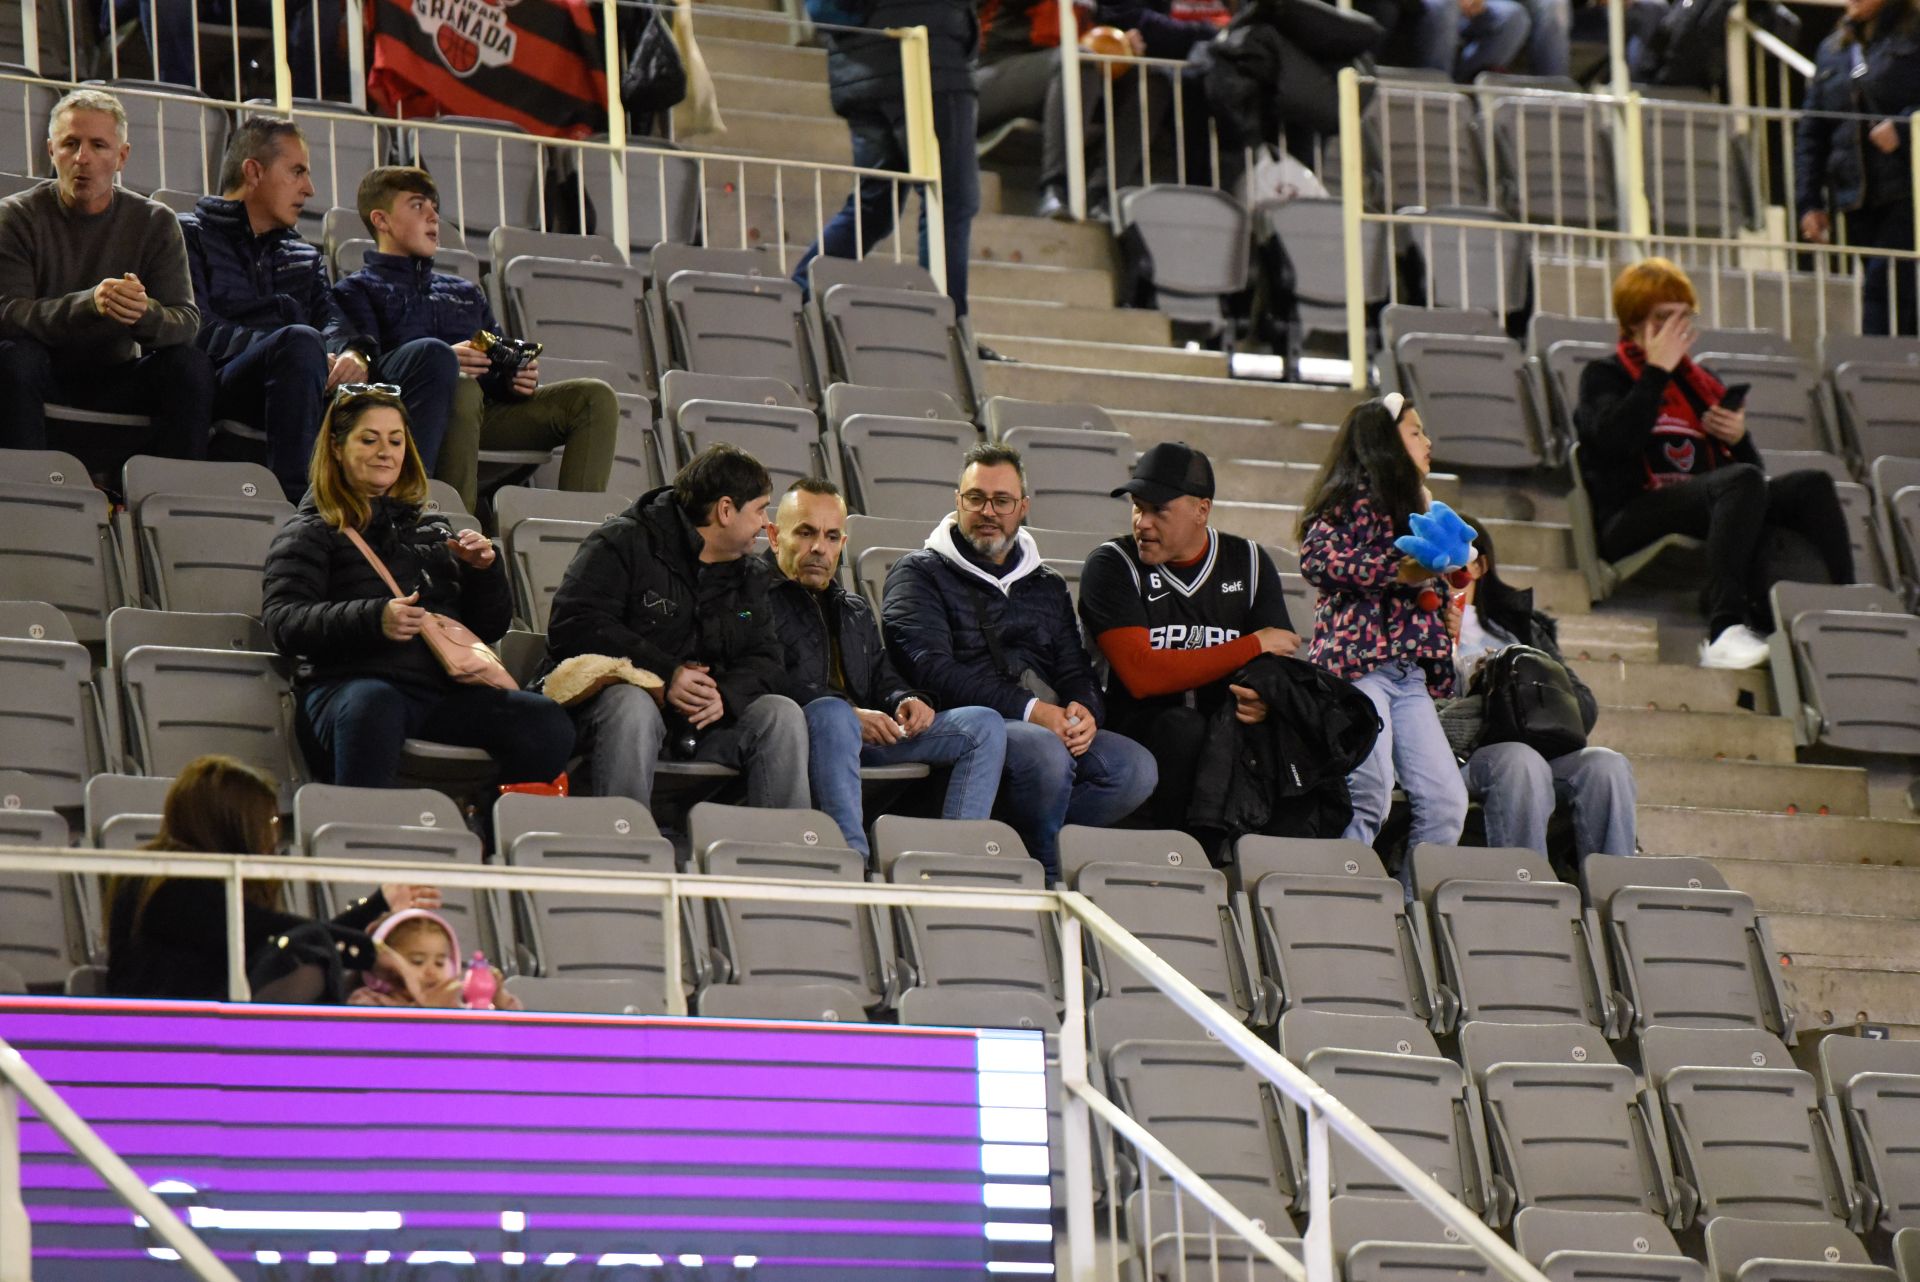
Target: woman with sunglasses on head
x,y
368,680
1664,450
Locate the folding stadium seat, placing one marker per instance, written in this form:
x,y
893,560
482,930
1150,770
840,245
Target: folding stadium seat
x,y
1376,1239
979,1008
1783,412
1003,414
1836,349
876,270
1072,473
1747,342
581,308
774,942
200,532
40,921
488,171
1311,235
29,103
1872,1089
1870,561
1175,1238
1158,885
49,718
504,244
726,324
961,948
542,530
1472,389
663,194
176,132
1759,1251
1467,267
1879,408
1554,159
785,439
1562,347
1697,178
827,1003
180,202
1849,671
1388,1070
844,400
444,500
1423,147
1602,1246
1333,928
1686,950
1199,242
874,543
898,338
56,539
605,949
401,824
1896,486
1509,939
904,468
1749,1138
123,811
1563,1121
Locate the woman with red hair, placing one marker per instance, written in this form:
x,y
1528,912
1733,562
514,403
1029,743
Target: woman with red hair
x,y
1664,453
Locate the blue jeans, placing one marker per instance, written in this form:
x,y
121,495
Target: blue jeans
x,y
1413,748
880,142
1465,47
359,723
426,371
1518,789
276,385
971,740
1046,786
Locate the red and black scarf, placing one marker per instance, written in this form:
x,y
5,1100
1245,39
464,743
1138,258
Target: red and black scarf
x,y
1679,448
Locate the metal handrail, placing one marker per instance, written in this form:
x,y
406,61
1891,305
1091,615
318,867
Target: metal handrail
x,y
1078,917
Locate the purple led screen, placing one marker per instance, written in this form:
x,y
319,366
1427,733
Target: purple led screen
x,y
346,1145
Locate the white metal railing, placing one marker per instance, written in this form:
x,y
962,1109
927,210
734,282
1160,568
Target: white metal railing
x,y
1079,920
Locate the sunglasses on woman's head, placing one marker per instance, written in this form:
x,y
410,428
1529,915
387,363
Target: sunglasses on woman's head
x,y
346,390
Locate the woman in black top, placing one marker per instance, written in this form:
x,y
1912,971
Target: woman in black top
x,y
1661,454
167,936
1870,67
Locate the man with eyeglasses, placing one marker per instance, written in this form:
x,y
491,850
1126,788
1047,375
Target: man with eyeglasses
x,y
976,617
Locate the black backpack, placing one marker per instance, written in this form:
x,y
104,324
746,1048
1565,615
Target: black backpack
x,y
1689,48
1530,700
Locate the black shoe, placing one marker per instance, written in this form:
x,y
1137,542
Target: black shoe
x,y
1053,204
988,354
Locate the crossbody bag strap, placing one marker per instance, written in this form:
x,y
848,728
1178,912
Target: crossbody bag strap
x,y
379,566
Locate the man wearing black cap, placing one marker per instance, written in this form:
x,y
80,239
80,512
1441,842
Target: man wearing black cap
x,y
1177,608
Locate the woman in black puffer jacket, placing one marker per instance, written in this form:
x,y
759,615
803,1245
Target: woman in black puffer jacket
x,y
368,681
1869,66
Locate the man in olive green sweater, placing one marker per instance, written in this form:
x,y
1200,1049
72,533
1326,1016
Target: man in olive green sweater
x,y
96,305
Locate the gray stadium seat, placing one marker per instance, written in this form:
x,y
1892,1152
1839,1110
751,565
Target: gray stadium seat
x,y
663,195
350,256
123,811
49,725
972,949
444,500
1697,181
979,1008
56,539
1871,1084
1199,241
786,440
539,550
827,1003
877,270
1003,414
774,942
1311,235
1860,677
1424,147
1462,267
488,171
583,309
1509,939
1686,950
1158,885
904,468
1783,412
1879,408
897,338
180,202
1376,1239
129,627
1863,533
1175,1238
1388,1070
1474,397
585,996
1747,342
504,244
1780,462
1748,1135
1072,473
1900,511
741,325
38,917
1602,1246
176,134
30,104
708,823
202,531
589,936
1555,159
1759,1251
1560,371
411,824
844,400
1333,928
1562,1120
180,704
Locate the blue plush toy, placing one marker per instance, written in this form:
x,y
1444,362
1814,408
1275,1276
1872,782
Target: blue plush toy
x,y
1440,541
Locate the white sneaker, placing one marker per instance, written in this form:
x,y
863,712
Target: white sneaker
x,y
1738,647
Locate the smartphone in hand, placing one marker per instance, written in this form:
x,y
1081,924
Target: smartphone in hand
x,y
1736,396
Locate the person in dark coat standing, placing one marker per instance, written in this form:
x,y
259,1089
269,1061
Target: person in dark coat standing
x,y
863,75
368,680
1863,170
976,617
669,585
266,307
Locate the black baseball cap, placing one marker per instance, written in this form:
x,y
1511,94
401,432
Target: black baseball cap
x,y
1169,470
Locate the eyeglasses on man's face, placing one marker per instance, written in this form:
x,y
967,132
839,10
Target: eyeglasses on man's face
x,y
980,501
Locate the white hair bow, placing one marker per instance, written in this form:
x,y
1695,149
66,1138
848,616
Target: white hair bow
x,y
1395,404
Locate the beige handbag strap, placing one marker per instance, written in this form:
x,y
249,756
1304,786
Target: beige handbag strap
x,y
379,566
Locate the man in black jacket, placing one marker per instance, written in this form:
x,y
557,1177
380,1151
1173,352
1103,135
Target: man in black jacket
x,y
668,584
266,307
976,617
859,711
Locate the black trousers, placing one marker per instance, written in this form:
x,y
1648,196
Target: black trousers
x,y
1888,226
1735,508
173,384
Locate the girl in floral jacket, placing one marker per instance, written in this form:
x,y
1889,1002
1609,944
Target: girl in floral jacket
x,y
1369,625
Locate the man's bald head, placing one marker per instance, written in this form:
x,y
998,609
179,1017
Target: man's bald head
x,y
808,532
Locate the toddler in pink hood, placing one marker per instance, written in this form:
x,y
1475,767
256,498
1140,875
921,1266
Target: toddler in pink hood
x,y
419,965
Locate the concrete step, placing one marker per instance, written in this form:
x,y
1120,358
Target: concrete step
x,y
1263,480
1076,286
1037,319
1827,996
1223,439
726,57
808,198
1677,687
1610,637
775,135
1559,592
1824,839
1174,361
1153,393
743,23
803,98
1550,547
1749,785
1846,941
1706,736
1857,889
1040,242
702,8
1515,502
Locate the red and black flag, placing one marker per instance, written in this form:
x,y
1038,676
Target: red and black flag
x,y
535,63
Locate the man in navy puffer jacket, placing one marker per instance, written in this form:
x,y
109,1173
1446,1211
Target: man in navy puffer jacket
x,y
267,318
